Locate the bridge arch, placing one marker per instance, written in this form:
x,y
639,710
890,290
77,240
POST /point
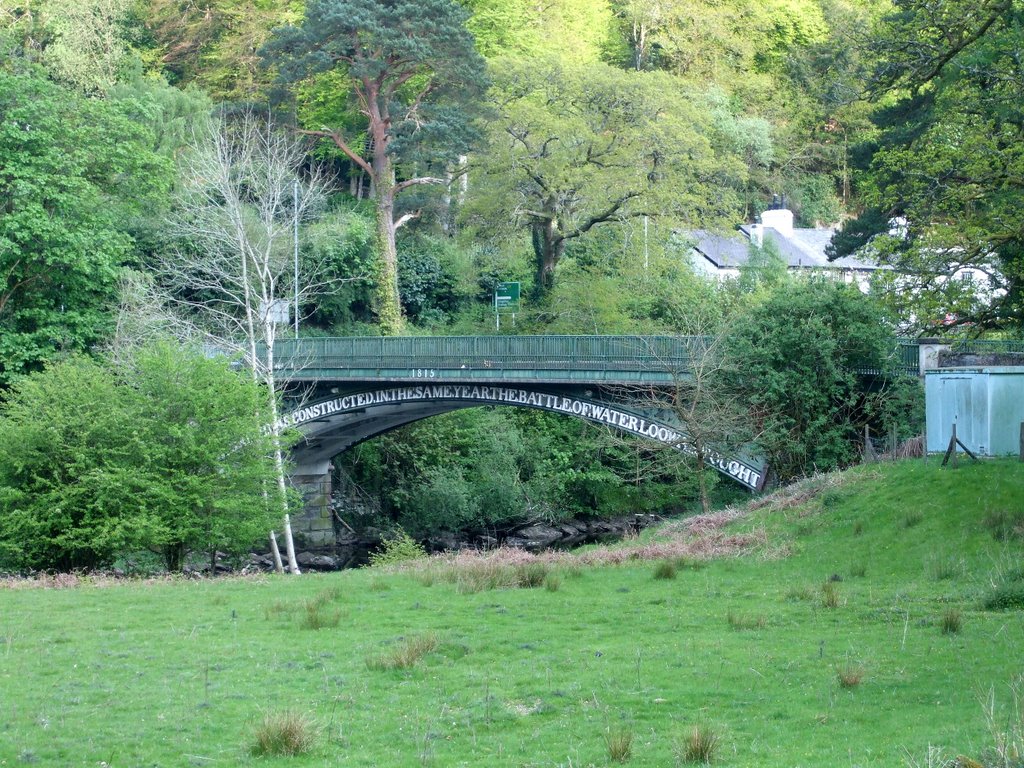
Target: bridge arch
x,y
333,424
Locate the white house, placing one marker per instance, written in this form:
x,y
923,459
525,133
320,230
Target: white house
x,y
723,256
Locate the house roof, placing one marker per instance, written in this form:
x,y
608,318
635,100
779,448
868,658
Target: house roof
x,y
803,249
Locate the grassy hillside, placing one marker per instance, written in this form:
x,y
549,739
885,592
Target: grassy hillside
x,y
833,641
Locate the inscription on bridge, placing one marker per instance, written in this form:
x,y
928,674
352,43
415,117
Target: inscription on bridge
x,y
742,471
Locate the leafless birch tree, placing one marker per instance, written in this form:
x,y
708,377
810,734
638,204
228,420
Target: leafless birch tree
x,y
245,191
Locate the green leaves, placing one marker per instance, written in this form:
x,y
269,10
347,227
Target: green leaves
x,y
589,145
949,160
796,357
73,175
168,454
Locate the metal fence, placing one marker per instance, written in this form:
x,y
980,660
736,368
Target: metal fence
x,y
629,353
364,355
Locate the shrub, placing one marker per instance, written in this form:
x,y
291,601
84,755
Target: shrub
x,y
1004,524
398,548
405,655
1006,591
912,518
951,621
850,675
741,621
800,594
283,733
620,743
941,568
699,745
665,569
531,575
1005,597
796,355
829,595
317,615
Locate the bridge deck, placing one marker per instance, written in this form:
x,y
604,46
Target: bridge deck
x,y
558,359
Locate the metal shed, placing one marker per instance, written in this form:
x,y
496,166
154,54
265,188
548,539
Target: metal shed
x,y
985,403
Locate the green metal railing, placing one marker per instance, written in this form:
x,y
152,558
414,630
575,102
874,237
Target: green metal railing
x,y
988,346
352,357
499,353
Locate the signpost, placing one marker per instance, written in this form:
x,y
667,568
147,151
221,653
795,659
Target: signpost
x,y
506,302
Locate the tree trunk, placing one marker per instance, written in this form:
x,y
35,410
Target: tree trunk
x,y
282,486
278,565
289,546
389,307
548,247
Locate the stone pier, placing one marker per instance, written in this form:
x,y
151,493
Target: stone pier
x,y
313,527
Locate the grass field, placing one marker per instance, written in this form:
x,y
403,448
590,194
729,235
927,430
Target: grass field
x,y
854,634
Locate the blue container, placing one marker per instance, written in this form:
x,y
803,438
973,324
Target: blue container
x,y
985,403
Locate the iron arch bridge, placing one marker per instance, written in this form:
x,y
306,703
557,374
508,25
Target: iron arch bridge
x,y
346,390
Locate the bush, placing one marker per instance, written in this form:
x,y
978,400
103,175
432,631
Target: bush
x,y
830,595
797,355
1006,591
850,675
396,549
665,569
1005,597
743,621
168,453
1004,524
405,655
951,622
699,745
620,743
283,733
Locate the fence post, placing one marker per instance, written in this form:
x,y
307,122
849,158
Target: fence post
x,y
951,450
869,449
1022,441
924,440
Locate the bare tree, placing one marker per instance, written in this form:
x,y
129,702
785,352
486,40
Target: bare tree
x,y
714,418
245,190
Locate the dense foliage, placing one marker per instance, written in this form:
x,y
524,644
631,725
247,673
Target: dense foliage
x,y
166,453
799,356
74,174
572,147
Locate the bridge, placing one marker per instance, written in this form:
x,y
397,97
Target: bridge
x,y
343,391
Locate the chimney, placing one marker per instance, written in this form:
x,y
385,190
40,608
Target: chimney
x,y
779,219
757,235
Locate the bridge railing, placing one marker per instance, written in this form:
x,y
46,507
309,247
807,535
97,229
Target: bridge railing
x,y
988,346
628,353
364,355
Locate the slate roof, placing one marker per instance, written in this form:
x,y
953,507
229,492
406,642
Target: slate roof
x,y
804,249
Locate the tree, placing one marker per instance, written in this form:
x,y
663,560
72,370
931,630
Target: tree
x,y
579,147
797,355
944,177
702,398
213,44
240,205
167,453
209,454
75,173
81,45
413,71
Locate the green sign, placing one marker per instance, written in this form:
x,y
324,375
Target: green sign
x,y
506,298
